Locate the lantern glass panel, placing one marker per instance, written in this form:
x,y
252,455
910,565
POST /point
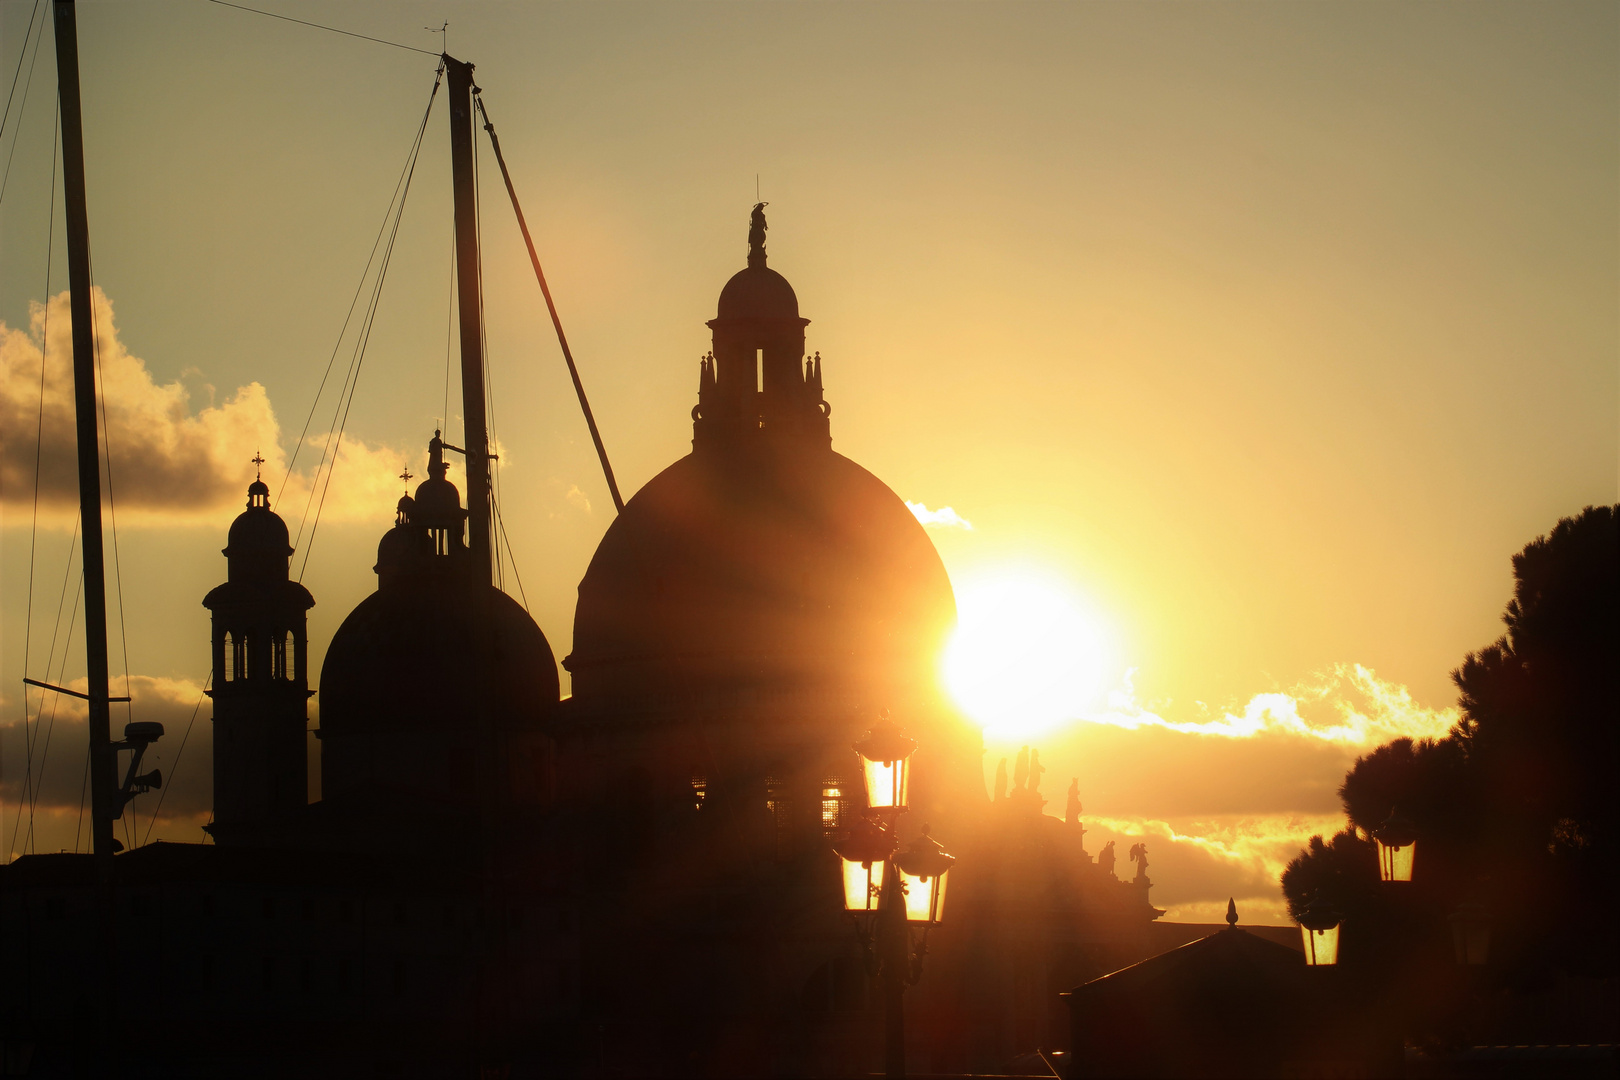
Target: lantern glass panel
x,y
886,783
925,897
863,884
1321,946
1395,863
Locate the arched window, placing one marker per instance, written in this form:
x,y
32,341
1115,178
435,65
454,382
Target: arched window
x,y
280,643
235,657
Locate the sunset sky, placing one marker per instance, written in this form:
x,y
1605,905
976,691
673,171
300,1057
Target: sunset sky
x,y
1250,339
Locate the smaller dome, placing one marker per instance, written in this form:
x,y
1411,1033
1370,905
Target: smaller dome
x,y
401,548
758,292
257,531
257,488
436,498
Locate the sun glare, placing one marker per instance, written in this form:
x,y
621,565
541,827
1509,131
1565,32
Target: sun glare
x,y
1027,655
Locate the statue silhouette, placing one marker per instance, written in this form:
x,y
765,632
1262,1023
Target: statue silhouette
x,y
1071,813
1138,855
1105,858
1035,770
756,235
1001,780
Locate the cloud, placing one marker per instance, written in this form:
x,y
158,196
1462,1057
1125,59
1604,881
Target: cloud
x,y
1224,797
169,464
53,775
943,518
1349,705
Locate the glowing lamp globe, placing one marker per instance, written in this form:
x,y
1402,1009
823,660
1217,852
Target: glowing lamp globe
x,y
1397,844
862,855
1319,929
886,765
923,868
1471,934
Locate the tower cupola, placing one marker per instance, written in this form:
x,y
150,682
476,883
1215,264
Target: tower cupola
x,y
755,388
260,684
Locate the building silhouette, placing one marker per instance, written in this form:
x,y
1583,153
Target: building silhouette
x,y
637,880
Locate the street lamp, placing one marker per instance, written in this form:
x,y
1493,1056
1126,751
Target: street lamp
x,y
1397,843
1471,934
886,766
889,893
864,852
1319,928
922,869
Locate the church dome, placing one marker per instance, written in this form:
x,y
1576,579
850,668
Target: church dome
x,y
758,292
796,569
258,530
404,662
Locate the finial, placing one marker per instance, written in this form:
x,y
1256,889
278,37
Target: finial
x,y
1231,912
406,475
756,235
258,465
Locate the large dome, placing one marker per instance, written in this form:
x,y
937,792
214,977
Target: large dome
x,y
794,569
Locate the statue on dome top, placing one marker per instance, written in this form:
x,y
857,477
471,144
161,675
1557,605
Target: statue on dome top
x,y
756,234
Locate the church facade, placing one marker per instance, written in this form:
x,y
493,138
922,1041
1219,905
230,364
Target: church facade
x,y
638,879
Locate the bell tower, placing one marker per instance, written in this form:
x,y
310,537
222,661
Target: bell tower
x,y
261,681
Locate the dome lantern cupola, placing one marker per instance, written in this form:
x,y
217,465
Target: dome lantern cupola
x,y
755,386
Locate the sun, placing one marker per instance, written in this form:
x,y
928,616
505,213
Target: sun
x,y
1028,654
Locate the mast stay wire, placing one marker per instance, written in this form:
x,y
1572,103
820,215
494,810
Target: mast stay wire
x,y
6,179
363,337
489,397
175,767
39,446
556,321
322,26
353,302
22,54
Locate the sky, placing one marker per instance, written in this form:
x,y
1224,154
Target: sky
x,y
1259,335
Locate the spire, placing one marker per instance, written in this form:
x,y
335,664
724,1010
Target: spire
x,y
756,236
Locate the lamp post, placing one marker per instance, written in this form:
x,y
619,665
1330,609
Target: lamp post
x,y
888,893
1397,846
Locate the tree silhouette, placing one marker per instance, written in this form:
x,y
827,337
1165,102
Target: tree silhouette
x,y
1516,805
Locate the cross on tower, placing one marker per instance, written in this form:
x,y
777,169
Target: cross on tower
x,y
258,465
406,475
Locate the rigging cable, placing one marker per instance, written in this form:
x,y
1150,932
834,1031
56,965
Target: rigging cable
x,y
174,768
39,437
492,466
21,55
556,321
4,180
348,316
363,339
322,26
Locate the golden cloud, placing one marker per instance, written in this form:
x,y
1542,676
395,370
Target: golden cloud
x,y
943,518
1348,705
168,464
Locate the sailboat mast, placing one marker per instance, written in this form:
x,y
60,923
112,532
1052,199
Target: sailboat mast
x,y
468,302
103,763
